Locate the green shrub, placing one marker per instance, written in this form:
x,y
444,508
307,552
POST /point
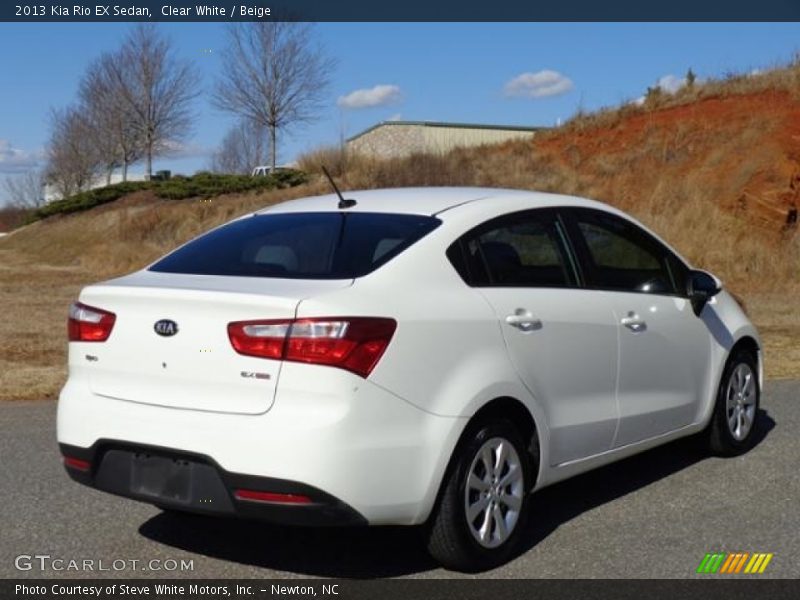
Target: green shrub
x,y
89,199
200,185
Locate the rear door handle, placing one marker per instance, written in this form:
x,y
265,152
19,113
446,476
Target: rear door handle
x,y
634,322
524,320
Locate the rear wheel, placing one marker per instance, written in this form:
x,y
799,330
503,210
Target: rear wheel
x,y
484,502
732,426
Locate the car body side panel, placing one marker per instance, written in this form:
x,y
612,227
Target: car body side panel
x,y
664,367
448,356
444,328
728,324
569,362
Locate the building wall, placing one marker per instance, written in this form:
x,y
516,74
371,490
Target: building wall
x,y
443,139
389,141
394,141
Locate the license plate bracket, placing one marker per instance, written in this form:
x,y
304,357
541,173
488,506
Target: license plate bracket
x,y
161,477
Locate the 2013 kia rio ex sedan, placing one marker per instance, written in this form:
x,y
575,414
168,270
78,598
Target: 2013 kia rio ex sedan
x,y
423,356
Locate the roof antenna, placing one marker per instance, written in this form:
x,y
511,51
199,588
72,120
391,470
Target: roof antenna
x,y
343,202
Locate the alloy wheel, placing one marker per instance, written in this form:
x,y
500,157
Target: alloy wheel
x,y
494,492
741,401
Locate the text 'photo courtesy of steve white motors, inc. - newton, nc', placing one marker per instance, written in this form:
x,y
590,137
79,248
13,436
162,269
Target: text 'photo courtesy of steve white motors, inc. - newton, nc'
x,y
133,11
193,590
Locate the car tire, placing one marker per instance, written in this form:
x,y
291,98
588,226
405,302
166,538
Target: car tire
x,y
734,421
496,497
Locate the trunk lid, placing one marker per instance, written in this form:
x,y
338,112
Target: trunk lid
x,y
196,367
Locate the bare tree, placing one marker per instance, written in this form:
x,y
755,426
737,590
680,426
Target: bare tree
x,y
242,147
274,75
156,90
26,190
72,159
113,129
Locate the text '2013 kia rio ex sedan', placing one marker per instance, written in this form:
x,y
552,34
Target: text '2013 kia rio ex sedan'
x,y
425,356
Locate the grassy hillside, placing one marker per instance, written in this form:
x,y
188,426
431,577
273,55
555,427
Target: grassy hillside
x,y
713,169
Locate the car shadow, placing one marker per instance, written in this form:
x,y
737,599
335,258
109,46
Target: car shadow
x,y
370,552
349,552
564,501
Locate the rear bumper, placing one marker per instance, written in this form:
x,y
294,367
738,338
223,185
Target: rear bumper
x,y
348,439
208,488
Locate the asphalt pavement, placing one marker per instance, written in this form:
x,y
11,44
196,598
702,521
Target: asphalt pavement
x,y
655,515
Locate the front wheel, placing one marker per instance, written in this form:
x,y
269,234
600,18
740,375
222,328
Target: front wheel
x,y
484,502
733,423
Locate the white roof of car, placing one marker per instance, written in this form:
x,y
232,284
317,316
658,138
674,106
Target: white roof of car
x,y
425,200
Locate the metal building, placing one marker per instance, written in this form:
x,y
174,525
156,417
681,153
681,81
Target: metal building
x,y
393,139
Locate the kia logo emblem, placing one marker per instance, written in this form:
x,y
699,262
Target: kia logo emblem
x,y
166,327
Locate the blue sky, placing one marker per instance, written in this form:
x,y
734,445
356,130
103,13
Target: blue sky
x,y
505,73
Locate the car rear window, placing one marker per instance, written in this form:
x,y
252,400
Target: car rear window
x,y
329,245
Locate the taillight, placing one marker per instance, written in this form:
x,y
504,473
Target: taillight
x,y
271,497
77,463
259,338
352,343
89,324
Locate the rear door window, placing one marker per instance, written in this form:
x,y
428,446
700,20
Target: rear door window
x,y
330,245
518,250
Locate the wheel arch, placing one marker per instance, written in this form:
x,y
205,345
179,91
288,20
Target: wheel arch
x,y
752,345
721,439
748,342
745,341
515,411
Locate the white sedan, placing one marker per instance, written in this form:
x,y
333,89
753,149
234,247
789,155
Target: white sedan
x,y
425,356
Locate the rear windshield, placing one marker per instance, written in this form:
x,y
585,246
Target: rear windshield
x,y
330,245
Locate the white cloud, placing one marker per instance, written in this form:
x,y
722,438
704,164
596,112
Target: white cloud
x,y
668,84
538,85
379,95
15,160
395,117
175,149
671,83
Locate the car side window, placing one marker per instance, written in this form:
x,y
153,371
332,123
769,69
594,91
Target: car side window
x,y
523,250
620,256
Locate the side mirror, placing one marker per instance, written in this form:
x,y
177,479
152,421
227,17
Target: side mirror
x,y
700,288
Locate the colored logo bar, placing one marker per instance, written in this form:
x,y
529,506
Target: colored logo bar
x,y
736,562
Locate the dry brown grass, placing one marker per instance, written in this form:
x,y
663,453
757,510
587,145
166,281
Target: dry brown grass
x,y
779,78
775,315
334,158
34,298
708,169
125,235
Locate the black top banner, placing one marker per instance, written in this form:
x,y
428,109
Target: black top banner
x,y
403,10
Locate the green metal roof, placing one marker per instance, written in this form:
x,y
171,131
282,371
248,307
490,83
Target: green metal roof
x,y
450,125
